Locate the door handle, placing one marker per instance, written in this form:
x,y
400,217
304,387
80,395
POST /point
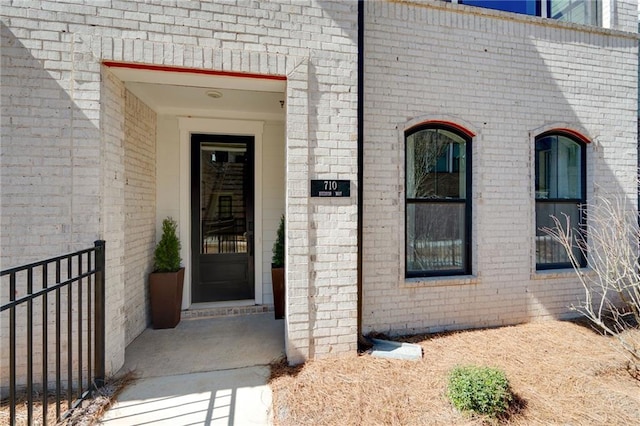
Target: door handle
x,y
250,243
250,237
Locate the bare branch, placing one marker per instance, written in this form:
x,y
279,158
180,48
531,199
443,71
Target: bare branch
x,y
611,280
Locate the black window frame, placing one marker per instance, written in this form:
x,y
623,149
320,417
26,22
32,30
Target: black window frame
x,y
543,9
538,4
467,200
581,227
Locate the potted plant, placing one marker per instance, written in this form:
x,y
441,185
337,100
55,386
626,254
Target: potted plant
x,y
277,271
167,278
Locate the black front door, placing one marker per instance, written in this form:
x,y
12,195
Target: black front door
x,y
222,218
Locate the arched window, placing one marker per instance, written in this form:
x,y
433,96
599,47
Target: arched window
x,y
560,163
438,201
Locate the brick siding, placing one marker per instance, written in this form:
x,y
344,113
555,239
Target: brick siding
x,y
506,78
70,170
140,211
63,44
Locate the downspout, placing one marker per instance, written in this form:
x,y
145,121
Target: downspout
x,y
361,5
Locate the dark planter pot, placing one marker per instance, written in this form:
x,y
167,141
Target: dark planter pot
x,y
277,280
165,291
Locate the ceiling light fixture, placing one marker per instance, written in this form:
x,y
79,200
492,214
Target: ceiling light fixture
x,y
214,94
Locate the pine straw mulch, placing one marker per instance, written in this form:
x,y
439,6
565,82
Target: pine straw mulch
x,y
561,373
88,412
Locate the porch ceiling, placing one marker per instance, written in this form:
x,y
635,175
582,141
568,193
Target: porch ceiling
x,y
194,101
185,94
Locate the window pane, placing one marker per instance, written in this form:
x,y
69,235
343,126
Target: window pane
x,y
549,251
436,165
526,7
576,11
435,236
569,168
223,215
558,168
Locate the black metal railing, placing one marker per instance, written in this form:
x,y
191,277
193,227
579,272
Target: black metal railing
x,y
67,295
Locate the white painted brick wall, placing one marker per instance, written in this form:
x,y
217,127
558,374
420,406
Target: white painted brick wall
x,y
113,218
63,135
57,49
50,167
504,76
140,211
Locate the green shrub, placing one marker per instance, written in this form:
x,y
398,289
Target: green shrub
x,y
482,390
277,261
166,258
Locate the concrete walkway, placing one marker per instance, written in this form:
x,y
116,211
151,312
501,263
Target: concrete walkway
x,y
204,372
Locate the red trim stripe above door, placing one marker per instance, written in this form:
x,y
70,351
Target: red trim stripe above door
x,y
165,68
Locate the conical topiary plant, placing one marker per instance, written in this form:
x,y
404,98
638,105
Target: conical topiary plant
x,y
166,282
277,261
167,255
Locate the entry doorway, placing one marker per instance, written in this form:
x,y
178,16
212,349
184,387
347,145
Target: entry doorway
x,y
222,218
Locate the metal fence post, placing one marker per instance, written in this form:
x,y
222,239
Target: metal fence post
x,y
100,313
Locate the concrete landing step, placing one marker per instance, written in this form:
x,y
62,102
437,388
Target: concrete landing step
x,y
224,311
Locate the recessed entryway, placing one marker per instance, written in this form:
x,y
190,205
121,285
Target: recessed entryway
x,y
227,105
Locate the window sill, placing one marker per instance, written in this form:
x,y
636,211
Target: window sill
x,y
457,280
550,274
